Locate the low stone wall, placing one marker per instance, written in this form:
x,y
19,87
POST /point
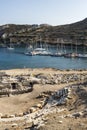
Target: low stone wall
x,y
13,92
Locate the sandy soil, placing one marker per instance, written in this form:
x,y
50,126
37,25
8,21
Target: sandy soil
x,y
20,103
67,123
37,71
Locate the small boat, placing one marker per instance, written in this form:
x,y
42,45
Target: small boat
x,y
60,49
42,51
71,55
28,51
59,54
10,47
82,55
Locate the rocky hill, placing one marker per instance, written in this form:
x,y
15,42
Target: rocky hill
x,y
66,34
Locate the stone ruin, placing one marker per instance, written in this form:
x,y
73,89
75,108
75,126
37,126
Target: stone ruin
x,y
24,83
51,102
61,78
14,85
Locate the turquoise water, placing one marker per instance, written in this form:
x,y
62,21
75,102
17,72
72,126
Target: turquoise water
x,y
15,59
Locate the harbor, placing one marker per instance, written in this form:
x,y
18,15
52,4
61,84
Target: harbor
x,y
20,58
43,65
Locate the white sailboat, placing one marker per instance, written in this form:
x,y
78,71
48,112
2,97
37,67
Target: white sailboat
x,y
29,51
42,51
10,47
84,55
60,48
72,54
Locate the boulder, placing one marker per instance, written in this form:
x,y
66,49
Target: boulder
x,y
11,116
14,124
33,109
39,105
77,114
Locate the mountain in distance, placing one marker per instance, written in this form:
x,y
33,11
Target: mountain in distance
x,y
66,34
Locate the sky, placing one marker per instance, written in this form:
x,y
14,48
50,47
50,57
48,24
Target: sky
x,y
53,12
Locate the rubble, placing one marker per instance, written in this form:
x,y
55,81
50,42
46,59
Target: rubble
x,y
21,83
38,112
51,101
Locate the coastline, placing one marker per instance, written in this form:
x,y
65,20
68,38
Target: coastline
x,y
31,71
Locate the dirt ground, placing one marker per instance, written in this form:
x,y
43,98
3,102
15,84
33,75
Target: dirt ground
x,y
67,123
20,103
41,70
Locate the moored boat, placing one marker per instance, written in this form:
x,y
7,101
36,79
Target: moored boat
x,y
41,52
10,47
82,55
71,55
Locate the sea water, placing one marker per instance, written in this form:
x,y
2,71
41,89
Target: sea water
x,y
10,59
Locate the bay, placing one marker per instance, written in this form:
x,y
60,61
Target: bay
x,y
11,59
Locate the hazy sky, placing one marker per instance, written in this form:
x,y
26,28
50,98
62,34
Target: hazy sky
x,y
54,12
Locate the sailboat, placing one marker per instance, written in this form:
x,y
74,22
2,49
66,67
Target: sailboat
x,y
72,54
29,51
42,51
84,55
60,49
10,47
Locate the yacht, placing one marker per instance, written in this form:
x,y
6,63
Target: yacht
x,y
60,49
10,47
41,51
29,51
82,55
71,55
